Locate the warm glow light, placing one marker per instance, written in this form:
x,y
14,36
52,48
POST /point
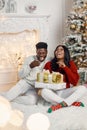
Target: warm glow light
x,y
5,111
16,118
38,121
15,46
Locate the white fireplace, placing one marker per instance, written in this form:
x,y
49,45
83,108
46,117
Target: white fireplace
x,y
15,23
18,36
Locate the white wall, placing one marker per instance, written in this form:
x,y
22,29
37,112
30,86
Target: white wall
x,y
61,9
57,9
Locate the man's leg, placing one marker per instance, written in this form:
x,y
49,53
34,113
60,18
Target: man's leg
x,y
30,98
20,88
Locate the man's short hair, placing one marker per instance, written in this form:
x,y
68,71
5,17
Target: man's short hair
x,y
41,45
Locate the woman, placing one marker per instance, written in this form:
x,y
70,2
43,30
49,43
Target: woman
x,y
62,63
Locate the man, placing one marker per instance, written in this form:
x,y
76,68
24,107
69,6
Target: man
x,y
24,91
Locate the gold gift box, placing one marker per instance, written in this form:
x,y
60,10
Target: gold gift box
x,y
47,77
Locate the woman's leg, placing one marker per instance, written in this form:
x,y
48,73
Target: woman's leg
x,y
67,95
78,92
51,96
76,95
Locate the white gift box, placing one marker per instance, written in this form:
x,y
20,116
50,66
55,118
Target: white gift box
x,y
52,86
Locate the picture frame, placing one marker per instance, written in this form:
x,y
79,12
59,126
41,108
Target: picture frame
x,y
8,6
2,4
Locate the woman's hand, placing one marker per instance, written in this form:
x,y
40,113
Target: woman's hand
x,y
39,92
61,64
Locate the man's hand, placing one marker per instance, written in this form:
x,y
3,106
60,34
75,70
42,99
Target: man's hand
x,y
34,64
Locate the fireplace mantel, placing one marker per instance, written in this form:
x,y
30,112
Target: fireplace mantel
x,y
25,15
17,23
18,36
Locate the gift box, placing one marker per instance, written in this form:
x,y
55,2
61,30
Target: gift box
x,y
52,86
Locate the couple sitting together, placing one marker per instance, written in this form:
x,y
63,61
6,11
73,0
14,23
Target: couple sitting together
x,y
62,63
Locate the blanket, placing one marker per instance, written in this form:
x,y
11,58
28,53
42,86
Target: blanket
x,y
69,118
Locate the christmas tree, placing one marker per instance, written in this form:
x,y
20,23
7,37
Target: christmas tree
x,y
76,39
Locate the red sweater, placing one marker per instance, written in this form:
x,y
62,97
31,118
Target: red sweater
x,y
71,75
